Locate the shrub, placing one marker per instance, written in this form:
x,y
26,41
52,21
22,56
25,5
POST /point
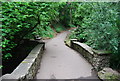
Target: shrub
x,y
97,23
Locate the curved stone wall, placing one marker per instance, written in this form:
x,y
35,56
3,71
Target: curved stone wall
x,y
98,58
28,68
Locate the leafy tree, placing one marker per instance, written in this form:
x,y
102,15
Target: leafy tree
x,y
98,25
18,19
24,19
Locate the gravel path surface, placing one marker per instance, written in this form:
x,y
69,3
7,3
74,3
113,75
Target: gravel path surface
x,y
61,62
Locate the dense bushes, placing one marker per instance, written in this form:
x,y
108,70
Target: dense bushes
x,y
25,20
98,23
18,18
97,26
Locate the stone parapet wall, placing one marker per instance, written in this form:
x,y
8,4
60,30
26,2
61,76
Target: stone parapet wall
x,y
98,58
28,68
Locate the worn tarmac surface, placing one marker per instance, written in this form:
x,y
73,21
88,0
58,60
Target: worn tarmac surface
x,y
62,62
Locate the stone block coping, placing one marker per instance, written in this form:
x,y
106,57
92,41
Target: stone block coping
x,y
28,68
86,47
99,59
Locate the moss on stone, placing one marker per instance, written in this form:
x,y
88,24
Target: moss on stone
x,y
109,74
102,52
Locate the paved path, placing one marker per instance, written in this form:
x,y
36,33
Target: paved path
x,y
61,62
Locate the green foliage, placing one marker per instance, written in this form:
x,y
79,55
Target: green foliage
x,y
98,24
59,27
18,18
1,66
64,16
72,25
25,20
45,33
